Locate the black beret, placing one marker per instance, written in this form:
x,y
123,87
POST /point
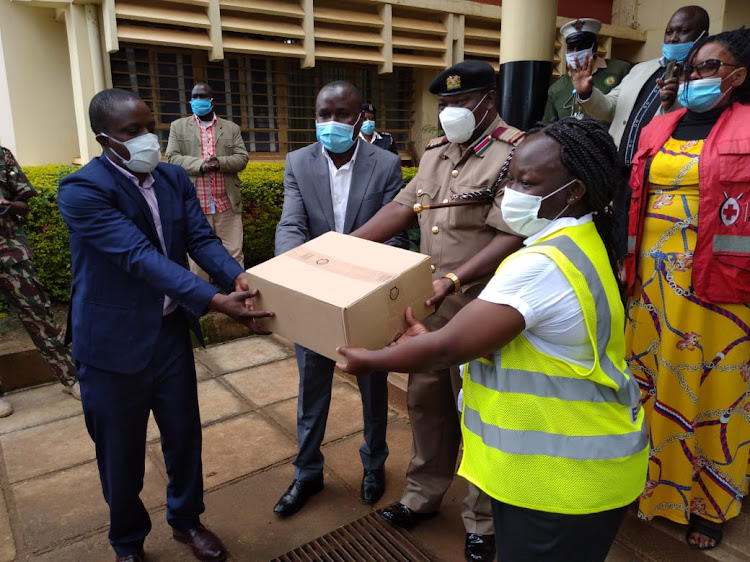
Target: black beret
x,y
369,108
467,76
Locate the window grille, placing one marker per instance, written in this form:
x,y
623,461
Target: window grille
x,y
271,98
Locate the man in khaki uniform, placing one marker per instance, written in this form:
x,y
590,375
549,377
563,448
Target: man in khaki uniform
x,y
212,152
467,243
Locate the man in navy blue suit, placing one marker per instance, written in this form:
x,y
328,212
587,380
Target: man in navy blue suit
x,y
132,222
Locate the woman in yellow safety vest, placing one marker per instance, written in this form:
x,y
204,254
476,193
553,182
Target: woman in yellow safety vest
x,y
552,425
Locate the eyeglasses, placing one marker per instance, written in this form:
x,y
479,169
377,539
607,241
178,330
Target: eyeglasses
x,y
709,67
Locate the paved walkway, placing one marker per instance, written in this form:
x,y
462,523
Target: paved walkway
x,y
52,507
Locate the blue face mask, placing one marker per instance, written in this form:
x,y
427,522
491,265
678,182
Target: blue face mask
x,y
702,94
676,51
201,106
334,136
368,127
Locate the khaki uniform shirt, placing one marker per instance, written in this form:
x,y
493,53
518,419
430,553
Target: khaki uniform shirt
x,y
452,235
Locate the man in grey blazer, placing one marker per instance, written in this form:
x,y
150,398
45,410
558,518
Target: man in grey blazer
x,y
338,184
212,152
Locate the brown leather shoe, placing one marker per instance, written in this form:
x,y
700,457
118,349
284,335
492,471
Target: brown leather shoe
x,y
205,545
137,557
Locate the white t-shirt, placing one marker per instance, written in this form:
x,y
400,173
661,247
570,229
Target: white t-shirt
x,y
541,293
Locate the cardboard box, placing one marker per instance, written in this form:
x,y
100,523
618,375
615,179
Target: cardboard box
x,y
338,290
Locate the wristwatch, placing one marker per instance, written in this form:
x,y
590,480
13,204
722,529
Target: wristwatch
x,y
456,283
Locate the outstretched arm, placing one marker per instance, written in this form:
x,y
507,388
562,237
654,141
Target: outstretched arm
x,y
386,223
479,329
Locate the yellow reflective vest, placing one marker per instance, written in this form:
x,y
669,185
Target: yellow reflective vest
x,y
545,434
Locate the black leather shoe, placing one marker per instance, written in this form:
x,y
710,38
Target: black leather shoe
x,y
373,486
479,548
205,545
297,495
137,557
401,516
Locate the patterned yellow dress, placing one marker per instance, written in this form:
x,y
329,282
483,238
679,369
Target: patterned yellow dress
x,y
691,358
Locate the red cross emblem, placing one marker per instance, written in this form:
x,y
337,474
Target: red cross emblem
x,y
729,211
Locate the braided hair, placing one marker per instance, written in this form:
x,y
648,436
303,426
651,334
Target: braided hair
x,y
588,152
737,42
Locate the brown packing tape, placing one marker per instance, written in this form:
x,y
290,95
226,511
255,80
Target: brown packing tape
x,y
333,265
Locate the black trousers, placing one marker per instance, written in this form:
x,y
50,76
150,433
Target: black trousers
x,y
525,534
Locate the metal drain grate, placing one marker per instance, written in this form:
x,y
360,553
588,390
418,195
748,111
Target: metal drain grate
x,y
366,539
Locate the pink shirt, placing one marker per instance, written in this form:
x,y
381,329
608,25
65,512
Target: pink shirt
x,y
147,190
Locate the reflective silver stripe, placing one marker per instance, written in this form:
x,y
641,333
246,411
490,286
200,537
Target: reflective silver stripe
x,y
597,447
539,384
736,244
631,243
628,395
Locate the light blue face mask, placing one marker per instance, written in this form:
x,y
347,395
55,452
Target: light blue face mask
x,y
368,127
334,136
676,51
702,94
201,106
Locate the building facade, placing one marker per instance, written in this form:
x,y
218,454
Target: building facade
x,y
266,59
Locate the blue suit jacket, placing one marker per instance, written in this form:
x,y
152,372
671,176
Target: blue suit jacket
x,y
120,274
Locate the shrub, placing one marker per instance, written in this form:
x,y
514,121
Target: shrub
x,y
47,232
262,187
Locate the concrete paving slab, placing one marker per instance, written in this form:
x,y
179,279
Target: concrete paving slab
x,y
152,430
217,401
37,406
7,542
240,446
620,554
241,354
56,445
344,417
268,383
56,507
445,534
342,458
159,546
202,372
242,514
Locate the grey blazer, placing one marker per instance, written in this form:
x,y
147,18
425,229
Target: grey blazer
x,y
308,207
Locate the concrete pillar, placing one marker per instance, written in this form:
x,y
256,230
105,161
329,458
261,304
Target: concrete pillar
x,y
87,69
527,43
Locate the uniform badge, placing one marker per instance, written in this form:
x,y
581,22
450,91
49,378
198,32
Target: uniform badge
x,y
453,83
609,80
729,211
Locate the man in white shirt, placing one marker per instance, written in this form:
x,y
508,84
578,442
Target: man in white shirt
x,y
337,184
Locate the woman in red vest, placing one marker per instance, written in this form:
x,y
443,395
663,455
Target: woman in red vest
x,y
688,272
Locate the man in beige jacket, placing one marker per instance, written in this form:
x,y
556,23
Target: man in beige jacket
x,y
212,152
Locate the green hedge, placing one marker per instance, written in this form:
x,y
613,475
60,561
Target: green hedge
x,y
262,186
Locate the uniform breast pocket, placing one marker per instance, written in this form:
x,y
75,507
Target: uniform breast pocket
x,y
471,216
427,194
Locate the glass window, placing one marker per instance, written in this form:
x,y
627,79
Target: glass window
x,y
271,99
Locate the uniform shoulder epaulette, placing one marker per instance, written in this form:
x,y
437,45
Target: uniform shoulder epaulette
x,y
511,135
439,141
